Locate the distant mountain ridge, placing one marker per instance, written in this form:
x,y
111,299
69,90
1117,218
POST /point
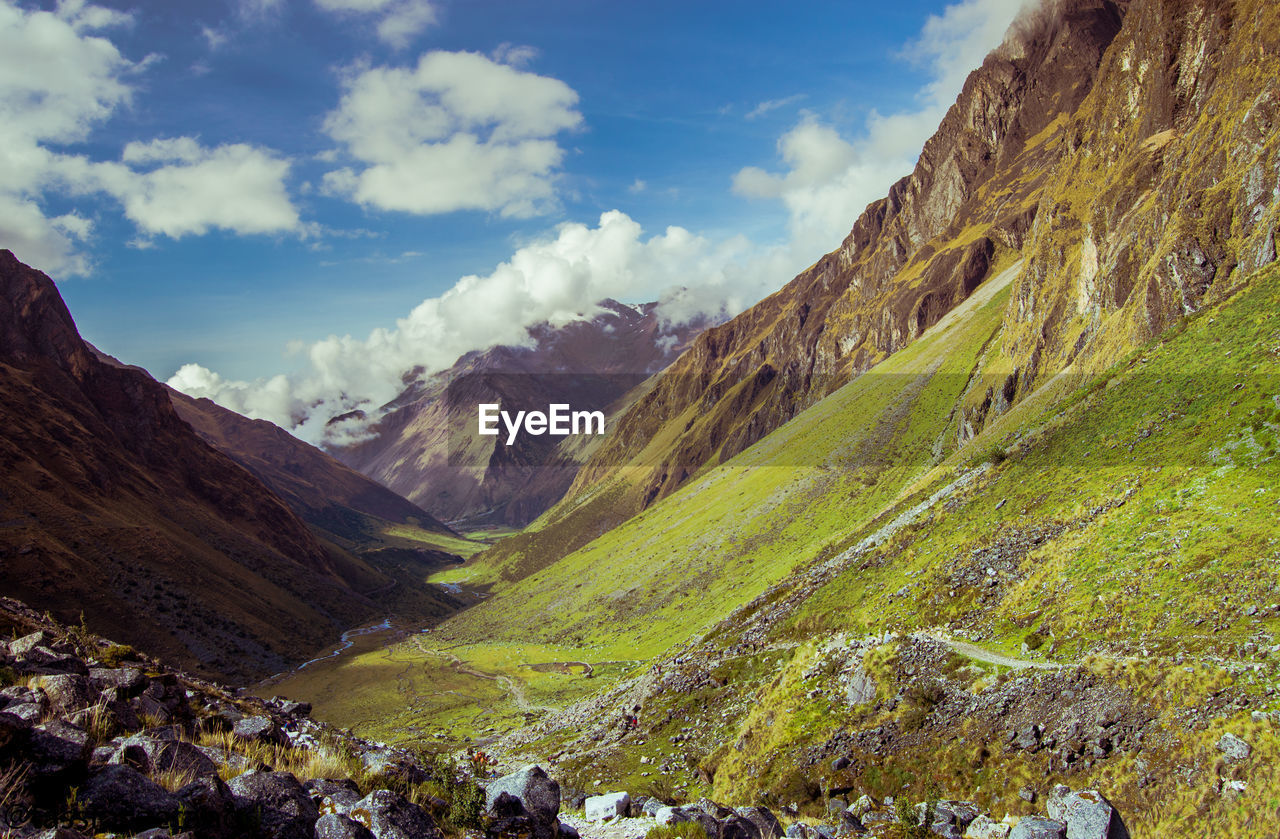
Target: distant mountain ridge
x,y
112,507
423,446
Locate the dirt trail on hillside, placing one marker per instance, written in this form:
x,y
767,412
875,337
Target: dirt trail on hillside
x,y
511,685
979,654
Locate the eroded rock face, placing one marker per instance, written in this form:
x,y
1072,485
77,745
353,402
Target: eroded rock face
x,y
1168,195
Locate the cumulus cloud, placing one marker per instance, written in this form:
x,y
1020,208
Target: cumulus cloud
x,y
547,280
59,78
458,131
398,20
829,179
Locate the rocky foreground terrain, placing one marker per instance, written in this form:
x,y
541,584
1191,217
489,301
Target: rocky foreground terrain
x,y
97,739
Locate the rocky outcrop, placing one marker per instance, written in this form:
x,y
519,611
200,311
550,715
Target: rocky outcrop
x,y
1167,197
125,750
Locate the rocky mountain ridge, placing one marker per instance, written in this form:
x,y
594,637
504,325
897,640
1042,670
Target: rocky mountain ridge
x,y
911,257
112,505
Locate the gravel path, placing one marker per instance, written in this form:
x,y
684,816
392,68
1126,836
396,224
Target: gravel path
x,y
612,829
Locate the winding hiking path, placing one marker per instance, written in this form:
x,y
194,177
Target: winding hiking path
x,y
979,654
512,686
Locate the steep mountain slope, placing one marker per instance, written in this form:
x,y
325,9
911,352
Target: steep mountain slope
x,y
424,445
909,259
112,507
324,493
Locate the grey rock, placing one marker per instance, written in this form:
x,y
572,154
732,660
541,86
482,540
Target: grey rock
x,y
736,827
849,824
153,756
607,806
672,815
44,661
333,796
208,805
862,686
338,826
20,647
58,833
392,816
1087,814
766,823
984,827
258,730
1233,748
13,730
122,798
29,712
283,806
536,791
392,765
57,748
130,680
862,806
1033,827
711,808
651,807
233,760
1027,737
67,692
568,831
839,763
959,813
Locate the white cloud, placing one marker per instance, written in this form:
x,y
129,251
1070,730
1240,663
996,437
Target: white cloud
x,y
457,131
547,280
233,187
514,55
830,179
773,105
58,80
399,20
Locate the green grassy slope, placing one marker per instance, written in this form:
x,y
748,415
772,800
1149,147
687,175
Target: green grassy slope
x,y
680,566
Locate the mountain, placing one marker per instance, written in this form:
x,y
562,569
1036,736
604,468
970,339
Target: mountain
x,y
112,507
325,494
423,445
1012,537
965,212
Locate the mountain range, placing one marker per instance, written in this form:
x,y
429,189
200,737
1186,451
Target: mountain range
x,y
977,510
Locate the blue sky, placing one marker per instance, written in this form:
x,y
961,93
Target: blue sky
x,y
284,194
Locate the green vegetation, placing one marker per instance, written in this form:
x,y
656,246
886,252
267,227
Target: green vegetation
x,y
684,830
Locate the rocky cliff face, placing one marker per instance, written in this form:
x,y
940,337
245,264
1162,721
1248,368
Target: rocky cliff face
x,y
424,446
909,259
111,507
1168,193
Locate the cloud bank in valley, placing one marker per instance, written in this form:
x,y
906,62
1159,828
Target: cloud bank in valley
x,y
548,280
